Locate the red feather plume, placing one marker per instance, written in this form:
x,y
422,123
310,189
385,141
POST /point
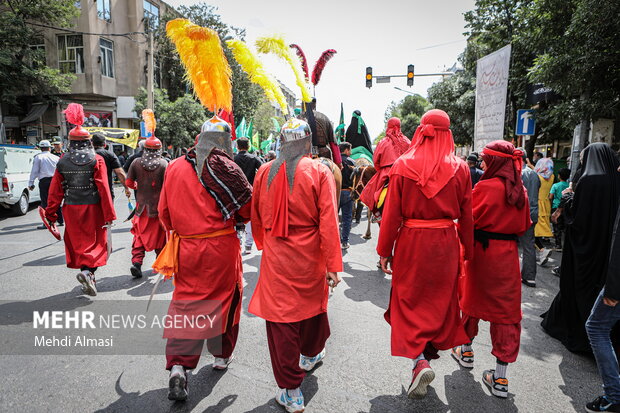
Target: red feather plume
x,y
302,57
320,65
75,114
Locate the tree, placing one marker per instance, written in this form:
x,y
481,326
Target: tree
x,y
456,95
22,67
579,56
263,123
179,121
246,95
409,111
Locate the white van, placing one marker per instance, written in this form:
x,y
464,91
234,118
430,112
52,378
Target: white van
x,y
15,166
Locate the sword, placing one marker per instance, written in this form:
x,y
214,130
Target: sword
x,y
133,212
109,227
161,276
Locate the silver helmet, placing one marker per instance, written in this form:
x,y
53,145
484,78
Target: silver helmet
x,y
214,133
294,129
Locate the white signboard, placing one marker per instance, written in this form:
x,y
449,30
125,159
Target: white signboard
x,y
491,89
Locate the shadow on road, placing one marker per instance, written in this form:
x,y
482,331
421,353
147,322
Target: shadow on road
x,y
200,386
401,403
367,284
251,278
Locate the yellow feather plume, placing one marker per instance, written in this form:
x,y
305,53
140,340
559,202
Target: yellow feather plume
x,y
149,121
280,48
255,69
205,63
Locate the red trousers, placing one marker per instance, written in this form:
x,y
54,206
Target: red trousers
x,y
138,251
288,340
505,338
187,352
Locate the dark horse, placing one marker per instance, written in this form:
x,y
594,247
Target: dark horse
x,y
364,170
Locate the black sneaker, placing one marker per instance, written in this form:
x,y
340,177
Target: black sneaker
x,y
498,386
529,283
601,404
136,270
556,271
177,384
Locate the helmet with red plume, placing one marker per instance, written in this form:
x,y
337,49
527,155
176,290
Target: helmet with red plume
x,y
75,115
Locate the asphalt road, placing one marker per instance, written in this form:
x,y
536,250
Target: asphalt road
x,y
358,374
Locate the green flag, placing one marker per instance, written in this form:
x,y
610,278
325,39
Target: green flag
x,y
240,131
276,125
264,146
339,132
249,130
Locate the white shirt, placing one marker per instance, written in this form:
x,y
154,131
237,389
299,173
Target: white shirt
x,y
44,166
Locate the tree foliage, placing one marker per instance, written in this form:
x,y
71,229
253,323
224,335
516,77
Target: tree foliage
x,y
456,95
178,121
571,46
21,66
409,111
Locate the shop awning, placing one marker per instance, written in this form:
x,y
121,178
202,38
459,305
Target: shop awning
x,y
36,111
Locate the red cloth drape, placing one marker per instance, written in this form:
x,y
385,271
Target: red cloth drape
x,y
504,161
430,161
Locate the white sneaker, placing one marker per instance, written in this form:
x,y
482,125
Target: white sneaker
x,y
177,384
222,363
308,363
291,404
87,279
542,256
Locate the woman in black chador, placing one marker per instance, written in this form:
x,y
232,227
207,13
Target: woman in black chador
x,y
357,133
589,214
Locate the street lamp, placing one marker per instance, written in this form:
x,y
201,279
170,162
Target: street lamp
x,y
403,90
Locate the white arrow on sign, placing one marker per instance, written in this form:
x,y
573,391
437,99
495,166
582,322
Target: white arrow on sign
x,y
525,116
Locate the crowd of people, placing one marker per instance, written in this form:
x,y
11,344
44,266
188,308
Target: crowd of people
x,y
486,219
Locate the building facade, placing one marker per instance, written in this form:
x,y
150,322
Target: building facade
x,y
109,69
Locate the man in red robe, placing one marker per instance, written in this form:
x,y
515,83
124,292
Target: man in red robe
x,y
491,287
393,145
429,190
146,175
204,195
81,181
295,223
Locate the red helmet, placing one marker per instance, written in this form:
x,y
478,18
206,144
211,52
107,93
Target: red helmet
x,y
152,143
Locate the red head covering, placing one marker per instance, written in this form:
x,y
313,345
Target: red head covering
x,y
503,161
430,161
394,134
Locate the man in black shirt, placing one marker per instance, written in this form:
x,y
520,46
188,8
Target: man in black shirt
x,y
476,174
111,162
137,153
346,204
249,164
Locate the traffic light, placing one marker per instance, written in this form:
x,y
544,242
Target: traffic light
x,y
369,77
410,75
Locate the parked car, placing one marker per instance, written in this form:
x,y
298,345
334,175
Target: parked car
x,y
15,165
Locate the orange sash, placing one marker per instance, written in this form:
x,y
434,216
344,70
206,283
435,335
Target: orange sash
x,y
167,262
429,223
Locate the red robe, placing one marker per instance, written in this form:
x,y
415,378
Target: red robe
x,y
147,231
491,286
384,157
292,285
86,242
424,299
209,268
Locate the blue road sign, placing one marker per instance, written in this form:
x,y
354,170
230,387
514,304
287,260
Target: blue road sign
x,y
526,122
143,132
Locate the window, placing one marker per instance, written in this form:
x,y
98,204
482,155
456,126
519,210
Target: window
x,y
70,53
106,48
151,15
103,10
37,57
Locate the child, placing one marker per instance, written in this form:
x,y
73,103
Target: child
x,y
555,195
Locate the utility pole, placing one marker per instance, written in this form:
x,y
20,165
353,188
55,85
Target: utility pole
x,y
150,100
